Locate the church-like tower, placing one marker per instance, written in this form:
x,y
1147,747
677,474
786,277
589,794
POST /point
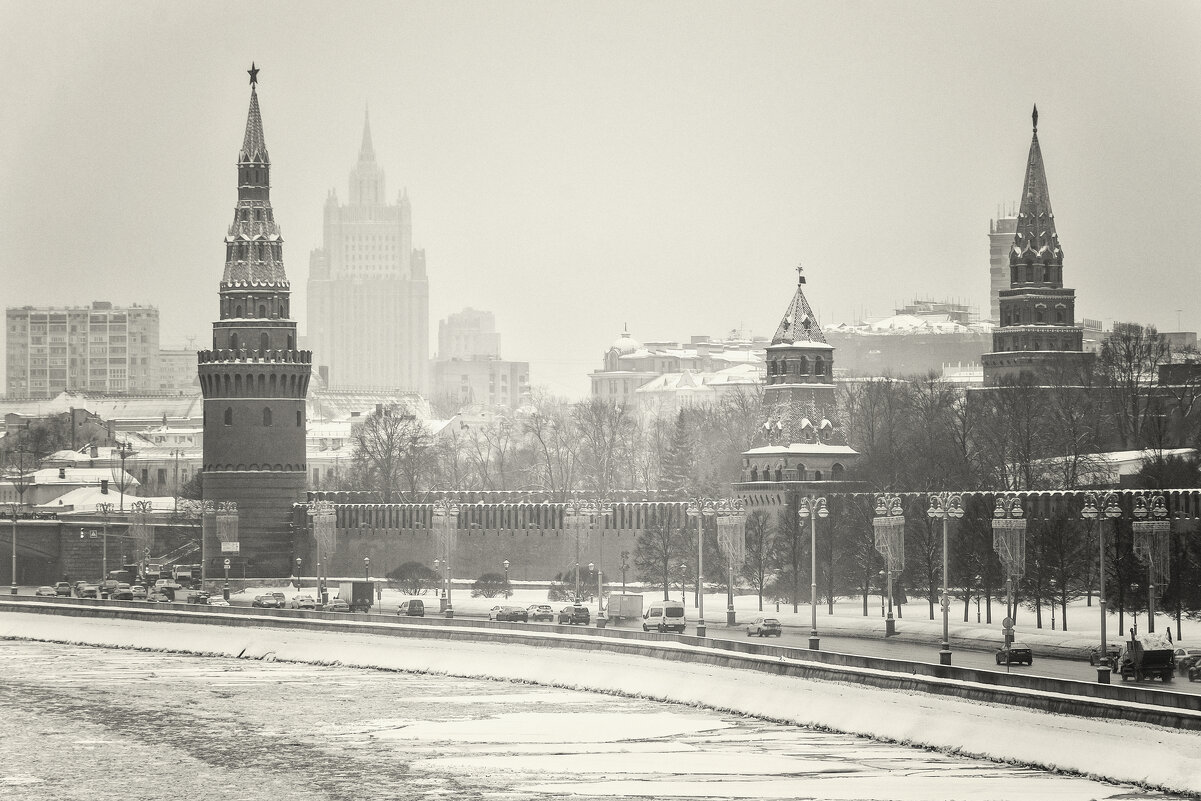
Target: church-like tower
x,y
1037,332
254,380
802,442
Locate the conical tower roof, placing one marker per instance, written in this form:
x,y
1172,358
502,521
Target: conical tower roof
x,y
799,323
1036,239
254,148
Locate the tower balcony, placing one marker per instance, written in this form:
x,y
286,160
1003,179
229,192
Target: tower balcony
x,y
246,355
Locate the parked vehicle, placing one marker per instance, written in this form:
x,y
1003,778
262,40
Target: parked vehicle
x,y
281,599
1015,653
764,627
265,602
1112,650
359,594
1146,656
46,592
624,606
576,613
1184,658
63,588
540,613
514,614
336,604
663,616
302,602
414,607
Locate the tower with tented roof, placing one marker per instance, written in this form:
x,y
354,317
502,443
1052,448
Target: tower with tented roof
x,y
801,440
1037,332
254,380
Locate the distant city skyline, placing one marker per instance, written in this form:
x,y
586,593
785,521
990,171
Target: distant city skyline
x,y
575,169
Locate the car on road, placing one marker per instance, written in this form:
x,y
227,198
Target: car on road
x,y
167,584
1112,650
123,592
197,597
1194,672
266,602
108,587
540,613
302,602
63,588
336,604
46,592
664,616
576,613
513,614
139,592
218,602
1184,658
1015,653
160,597
88,591
764,627
281,599
414,607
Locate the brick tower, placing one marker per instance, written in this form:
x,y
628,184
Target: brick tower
x,y
254,380
1037,332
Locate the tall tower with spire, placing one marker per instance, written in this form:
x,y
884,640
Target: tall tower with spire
x,y
254,380
1037,332
368,294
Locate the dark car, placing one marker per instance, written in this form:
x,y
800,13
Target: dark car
x,y
197,597
764,627
513,614
108,587
1015,653
414,607
336,604
540,613
265,602
63,588
161,597
1111,654
281,599
1194,672
576,613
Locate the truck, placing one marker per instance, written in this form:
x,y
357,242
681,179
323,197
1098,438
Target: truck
x,y
186,575
624,606
359,594
1145,656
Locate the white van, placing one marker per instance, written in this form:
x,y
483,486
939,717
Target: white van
x,y
664,616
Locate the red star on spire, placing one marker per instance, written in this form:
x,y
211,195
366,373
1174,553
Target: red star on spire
x,y
254,74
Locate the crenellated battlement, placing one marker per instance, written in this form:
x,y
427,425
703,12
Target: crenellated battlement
x,y
254,356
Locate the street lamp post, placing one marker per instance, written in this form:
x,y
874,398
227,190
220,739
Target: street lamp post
x,y
889,526
882,592
20,481
105,509
124,450
1151,528
1096,507
367,568
1051,582
625,565
298,575
507,592
225,589
578,513
446,518
811,509
683,582
945,505
1009,542
700,508
600,609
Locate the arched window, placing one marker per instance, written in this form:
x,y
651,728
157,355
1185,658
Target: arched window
x,y
289,339
1059,315
299,418
264,342
262,310
754,474
837,470
238,385
229,416
1038,316
266,416
233,341
803,366
819,366
238,310
817,475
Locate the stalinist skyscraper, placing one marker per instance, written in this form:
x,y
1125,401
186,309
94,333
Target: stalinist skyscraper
x,y
368,295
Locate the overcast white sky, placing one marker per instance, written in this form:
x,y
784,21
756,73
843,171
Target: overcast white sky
x,y
577,166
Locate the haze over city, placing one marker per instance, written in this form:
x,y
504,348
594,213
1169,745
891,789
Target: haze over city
x,y
576,168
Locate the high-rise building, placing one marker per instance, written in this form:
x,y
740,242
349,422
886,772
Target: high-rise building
x,y
468,334
368,295
1000,239
1037,332
254,380
97,348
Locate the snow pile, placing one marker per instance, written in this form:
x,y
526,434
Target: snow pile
x,y
1126,752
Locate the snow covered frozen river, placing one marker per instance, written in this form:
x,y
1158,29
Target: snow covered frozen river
x,y
83,722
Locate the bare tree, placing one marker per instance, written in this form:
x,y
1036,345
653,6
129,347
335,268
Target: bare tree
x,y
393,450
606,435
1129,365
657,550
758,564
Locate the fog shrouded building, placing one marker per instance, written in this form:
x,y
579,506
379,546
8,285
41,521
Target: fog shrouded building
x,y
254,380
1037,332
368,295
97,348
